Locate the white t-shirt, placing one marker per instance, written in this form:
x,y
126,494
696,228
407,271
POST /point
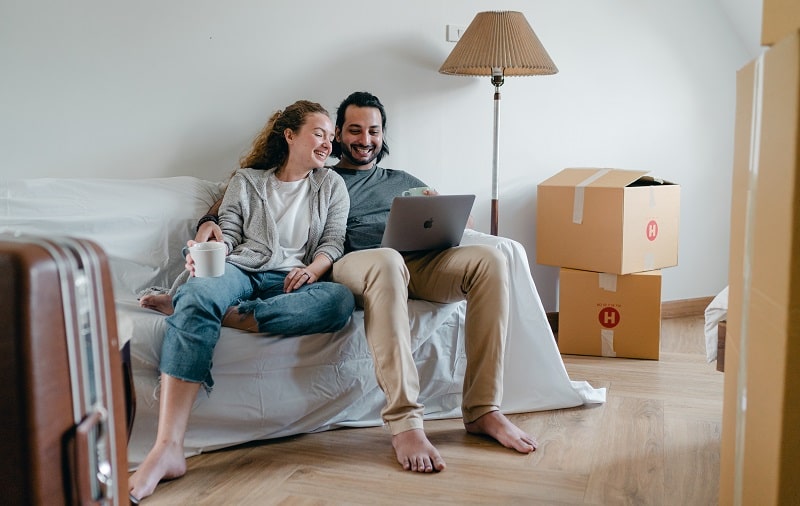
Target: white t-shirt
x,y
290,207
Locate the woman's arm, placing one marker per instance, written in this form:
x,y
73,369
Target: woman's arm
x,y
331,242
307,275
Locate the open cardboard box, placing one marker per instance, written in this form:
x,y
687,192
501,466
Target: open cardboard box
x,y
607,220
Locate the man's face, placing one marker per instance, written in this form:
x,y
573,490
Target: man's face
x,y
361,137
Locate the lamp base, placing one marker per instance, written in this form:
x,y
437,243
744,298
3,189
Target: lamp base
x,y
494,217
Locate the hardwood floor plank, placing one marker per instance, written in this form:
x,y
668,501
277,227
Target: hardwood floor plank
x,y
628,468
691,460
567,437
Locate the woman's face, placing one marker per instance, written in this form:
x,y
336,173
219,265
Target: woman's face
x,y
310,146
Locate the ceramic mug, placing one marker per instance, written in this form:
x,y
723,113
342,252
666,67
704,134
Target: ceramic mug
x,y
417,192
209,259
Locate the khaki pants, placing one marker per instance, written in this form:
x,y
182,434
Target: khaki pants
x,y
383,280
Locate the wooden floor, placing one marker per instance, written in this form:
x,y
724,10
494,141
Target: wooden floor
x,y
655,441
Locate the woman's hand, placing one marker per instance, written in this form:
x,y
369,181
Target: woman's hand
x,y
298,277
208,231
188,256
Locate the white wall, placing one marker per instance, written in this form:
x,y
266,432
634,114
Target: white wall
x,y
154,88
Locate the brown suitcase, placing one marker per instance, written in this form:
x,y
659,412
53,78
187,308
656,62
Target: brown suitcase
x,y
62,402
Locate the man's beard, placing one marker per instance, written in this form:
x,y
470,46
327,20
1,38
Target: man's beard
x,y
348,154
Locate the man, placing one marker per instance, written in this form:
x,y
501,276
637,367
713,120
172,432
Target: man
x,y
382,280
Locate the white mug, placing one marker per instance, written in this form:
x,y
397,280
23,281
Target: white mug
x,y
417,192
209,259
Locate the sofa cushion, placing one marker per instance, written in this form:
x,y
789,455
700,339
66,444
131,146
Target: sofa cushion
x,y
142,229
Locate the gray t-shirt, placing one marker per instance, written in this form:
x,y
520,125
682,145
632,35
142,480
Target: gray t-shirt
x,y
371,194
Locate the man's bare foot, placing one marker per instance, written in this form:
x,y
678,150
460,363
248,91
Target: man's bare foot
x,y
495,425
161,302
164,462
416,453
242,321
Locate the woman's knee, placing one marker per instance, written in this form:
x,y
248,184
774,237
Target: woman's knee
x,y
191,295
338,305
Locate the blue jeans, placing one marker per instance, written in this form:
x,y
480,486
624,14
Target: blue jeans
x,y
200,304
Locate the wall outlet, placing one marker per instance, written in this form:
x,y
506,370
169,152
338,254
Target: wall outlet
x,y
454,32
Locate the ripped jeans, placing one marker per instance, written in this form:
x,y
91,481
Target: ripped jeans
x,y
200,304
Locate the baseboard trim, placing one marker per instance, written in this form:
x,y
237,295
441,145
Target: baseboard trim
x,y
670,309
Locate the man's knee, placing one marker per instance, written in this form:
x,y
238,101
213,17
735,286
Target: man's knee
x,y
361,270
490,260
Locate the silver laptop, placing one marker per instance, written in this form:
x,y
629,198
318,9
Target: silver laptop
x,y
427,223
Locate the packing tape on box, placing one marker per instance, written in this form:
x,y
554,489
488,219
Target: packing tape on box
x,y
608,282
649,261
577,202
607,343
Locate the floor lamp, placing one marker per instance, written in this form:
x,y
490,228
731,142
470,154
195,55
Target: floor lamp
x,y
498,44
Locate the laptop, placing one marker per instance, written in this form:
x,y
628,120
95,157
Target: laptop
x,y
428,222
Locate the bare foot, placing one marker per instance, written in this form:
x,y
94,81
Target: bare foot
x,y
416,453
241,321
495,425
161,302
164,462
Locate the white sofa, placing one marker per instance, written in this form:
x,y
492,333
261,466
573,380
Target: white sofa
x,y
268,386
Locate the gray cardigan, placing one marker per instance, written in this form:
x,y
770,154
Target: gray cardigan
x,y
249,229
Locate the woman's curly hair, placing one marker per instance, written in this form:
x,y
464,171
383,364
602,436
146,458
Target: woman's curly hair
x,y
270,148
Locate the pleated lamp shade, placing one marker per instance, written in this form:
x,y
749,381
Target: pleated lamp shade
x,y
499,40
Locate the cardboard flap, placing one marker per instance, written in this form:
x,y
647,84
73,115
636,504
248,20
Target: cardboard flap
x,y
651,181
594,177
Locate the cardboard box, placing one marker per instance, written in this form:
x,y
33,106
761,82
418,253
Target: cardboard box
x,y
780,18
609,315
761,411
607,220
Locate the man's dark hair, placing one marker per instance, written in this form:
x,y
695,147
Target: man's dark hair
x,y
360,99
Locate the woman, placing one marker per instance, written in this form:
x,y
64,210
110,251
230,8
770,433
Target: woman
x,y
283,221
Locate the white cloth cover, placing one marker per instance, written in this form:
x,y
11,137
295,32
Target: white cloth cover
x,y
715,312
267,386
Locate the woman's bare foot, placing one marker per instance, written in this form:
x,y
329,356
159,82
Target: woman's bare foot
x,y
161,302
416,453
495,425
164,462
242,321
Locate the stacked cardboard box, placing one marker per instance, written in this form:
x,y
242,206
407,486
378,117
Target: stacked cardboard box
x,y
780,19
610,231
760,441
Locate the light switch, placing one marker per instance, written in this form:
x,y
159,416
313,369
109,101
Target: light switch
x,y
454,32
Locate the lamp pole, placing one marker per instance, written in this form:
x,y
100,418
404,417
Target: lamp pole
x,y
497,81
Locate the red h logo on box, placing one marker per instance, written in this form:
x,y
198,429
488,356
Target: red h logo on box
x,y
608,317
652,230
